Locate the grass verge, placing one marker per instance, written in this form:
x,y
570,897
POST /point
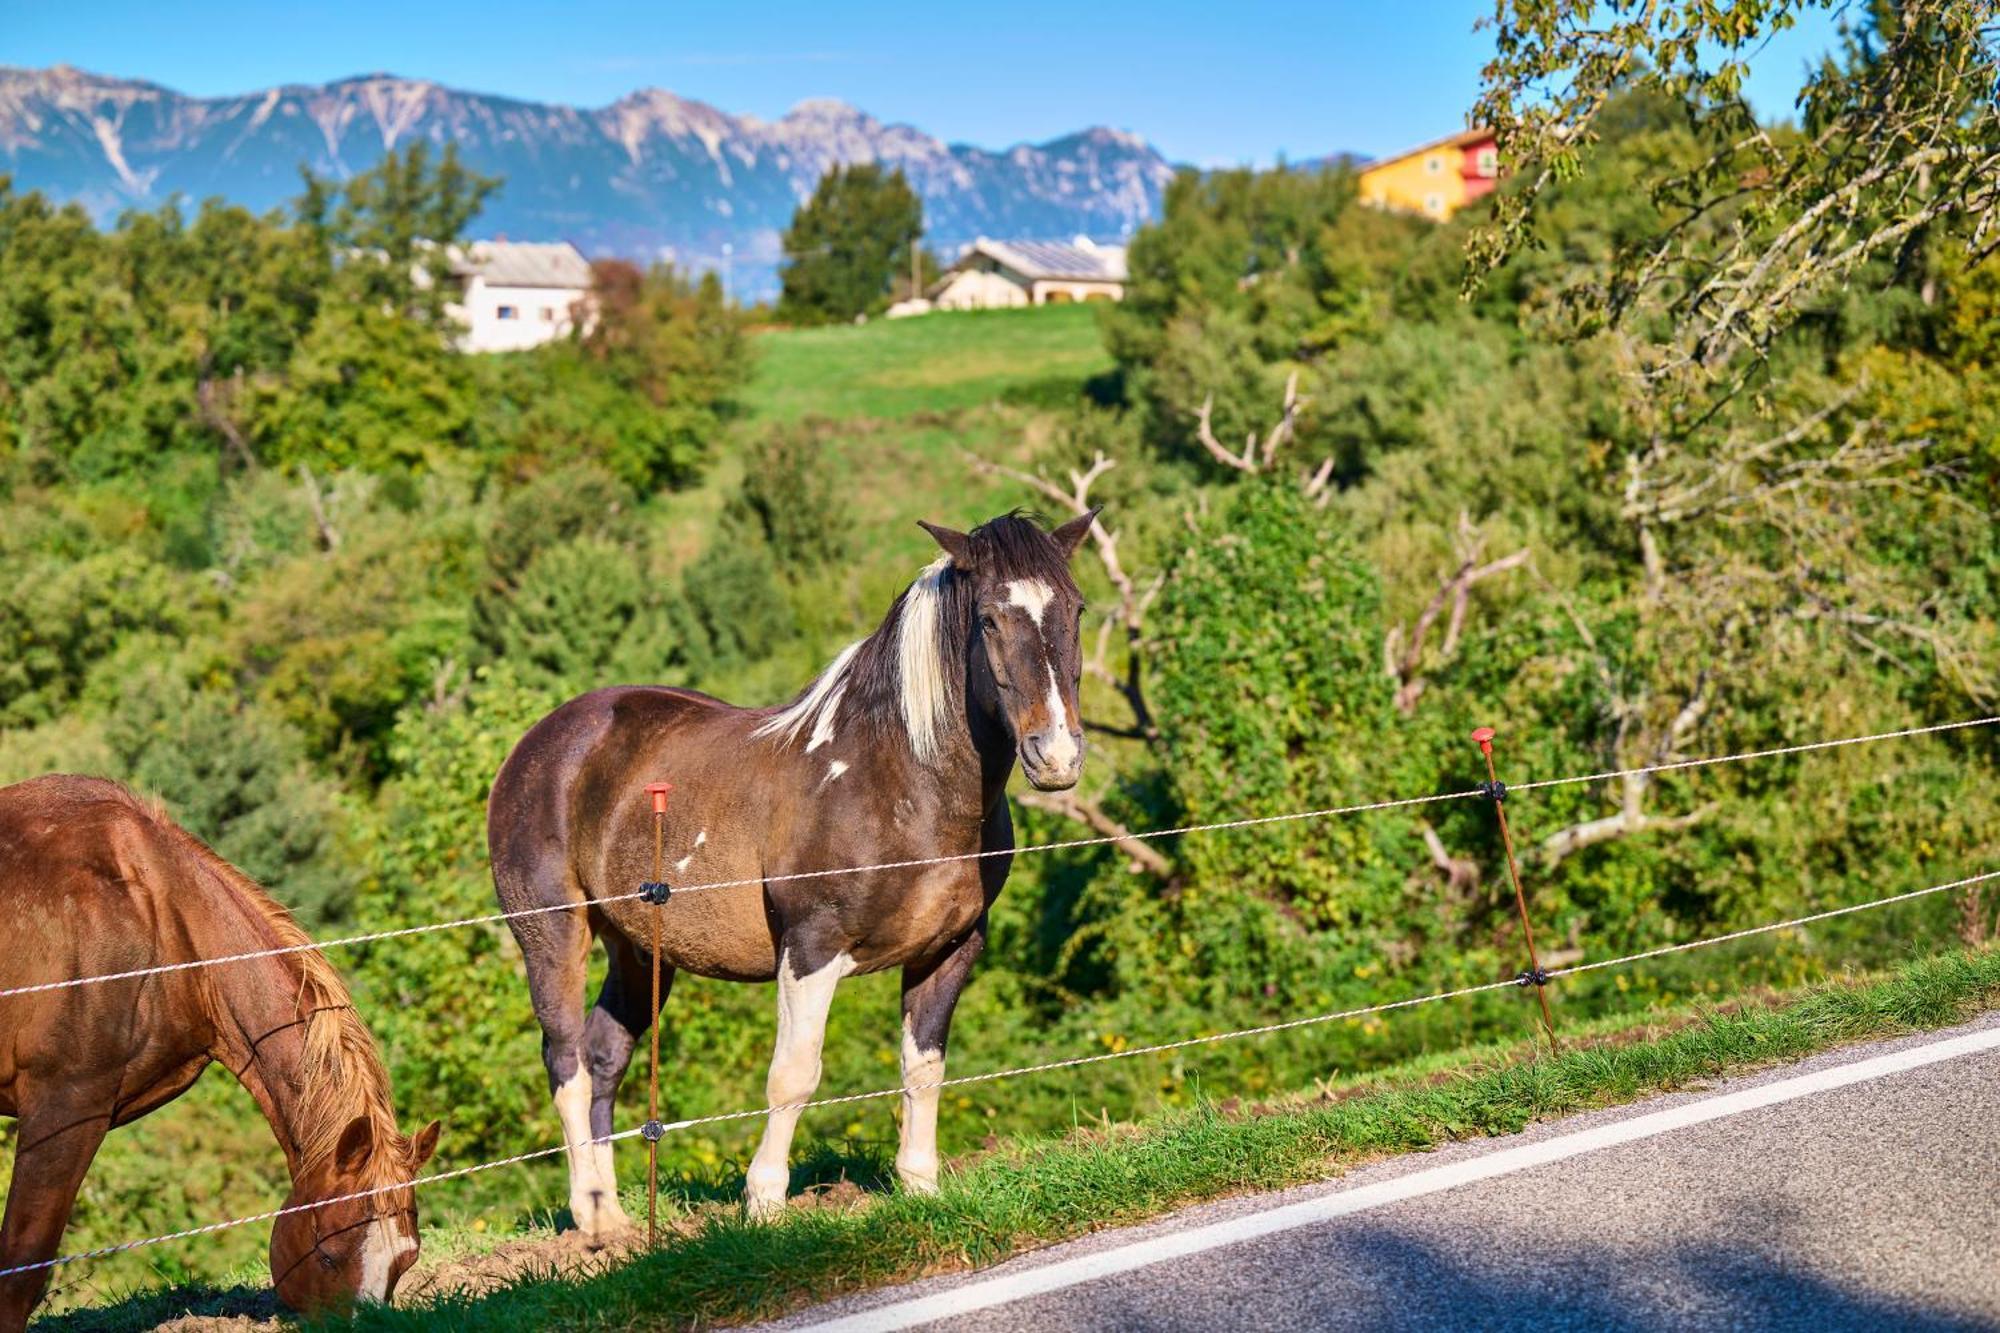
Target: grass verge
x,y
1033,1193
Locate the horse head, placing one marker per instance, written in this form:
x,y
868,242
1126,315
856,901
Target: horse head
x,y
1024,646
352,1249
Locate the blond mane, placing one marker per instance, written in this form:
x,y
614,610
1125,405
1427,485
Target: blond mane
x,y
341,1075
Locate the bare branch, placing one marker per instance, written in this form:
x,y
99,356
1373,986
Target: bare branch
x,y
1144,856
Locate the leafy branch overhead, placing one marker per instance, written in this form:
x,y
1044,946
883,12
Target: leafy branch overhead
x,y
1897,150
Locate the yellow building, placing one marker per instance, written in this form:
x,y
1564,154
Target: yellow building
x,y
1437,179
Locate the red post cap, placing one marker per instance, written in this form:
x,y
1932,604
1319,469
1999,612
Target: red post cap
x,y
658,791
1485,738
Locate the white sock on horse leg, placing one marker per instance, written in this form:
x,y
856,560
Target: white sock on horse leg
x,y
593,1192
916,1157
802,1007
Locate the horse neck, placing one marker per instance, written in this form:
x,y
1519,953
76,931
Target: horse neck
x,y
273,1021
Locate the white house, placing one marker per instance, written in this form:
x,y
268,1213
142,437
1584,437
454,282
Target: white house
x,y
992,274
516,294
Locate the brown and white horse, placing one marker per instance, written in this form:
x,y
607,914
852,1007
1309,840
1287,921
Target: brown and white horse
x,y
92,881
900,750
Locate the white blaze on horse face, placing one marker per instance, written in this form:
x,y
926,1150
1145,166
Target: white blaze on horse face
x,y
802,1005
379,1253
916,1156
833,770
1032,596
1061,749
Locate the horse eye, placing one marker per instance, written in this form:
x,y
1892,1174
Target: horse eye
x,y
987,624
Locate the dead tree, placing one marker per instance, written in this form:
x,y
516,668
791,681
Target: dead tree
x,y
1262,456
1402,656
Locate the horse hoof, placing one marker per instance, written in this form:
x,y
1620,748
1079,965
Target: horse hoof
x,y
918,1182
763,1208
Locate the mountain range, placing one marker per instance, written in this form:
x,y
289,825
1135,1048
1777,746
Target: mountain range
x,y
651,176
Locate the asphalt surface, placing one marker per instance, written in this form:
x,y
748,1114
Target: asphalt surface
x,y
1870,1206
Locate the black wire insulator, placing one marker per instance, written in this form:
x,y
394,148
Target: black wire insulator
x,y
655,891
1532,976
1495,790
652,1131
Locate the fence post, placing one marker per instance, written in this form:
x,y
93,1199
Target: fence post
x,y
656,892
1496,791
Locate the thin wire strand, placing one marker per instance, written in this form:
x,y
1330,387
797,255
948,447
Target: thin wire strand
x,y
1779,925
1754,754
992,1076
679,889
1143,835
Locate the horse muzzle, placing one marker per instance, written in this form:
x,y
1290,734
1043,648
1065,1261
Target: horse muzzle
x,y
1052,760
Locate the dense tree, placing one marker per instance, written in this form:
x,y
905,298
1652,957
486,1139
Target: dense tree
x,y
847,245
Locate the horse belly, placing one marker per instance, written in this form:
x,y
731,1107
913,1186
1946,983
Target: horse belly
x,y
719,933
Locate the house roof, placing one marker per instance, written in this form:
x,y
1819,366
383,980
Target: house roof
x,y
1055,259
523,264
1462,139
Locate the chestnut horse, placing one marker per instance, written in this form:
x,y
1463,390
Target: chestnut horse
x,y
900,750
92,881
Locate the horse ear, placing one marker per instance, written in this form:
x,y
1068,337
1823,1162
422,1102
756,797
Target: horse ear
x,y
956,544
356,1146
1071,534
424,1144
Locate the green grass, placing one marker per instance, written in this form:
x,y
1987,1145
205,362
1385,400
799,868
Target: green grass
x,y
1035,1192
933,363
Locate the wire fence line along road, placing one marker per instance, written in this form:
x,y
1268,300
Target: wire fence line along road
x,y
994,1076
1067,844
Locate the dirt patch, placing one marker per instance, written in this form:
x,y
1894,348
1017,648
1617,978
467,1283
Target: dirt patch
x,y
567,1253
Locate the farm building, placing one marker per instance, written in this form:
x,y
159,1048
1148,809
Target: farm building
x,y
1436,179
991,274
516,294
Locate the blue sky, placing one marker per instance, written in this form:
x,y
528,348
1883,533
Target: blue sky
x,y
1210,84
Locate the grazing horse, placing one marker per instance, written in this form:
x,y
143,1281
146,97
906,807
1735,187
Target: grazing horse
x,y
898,751
92,881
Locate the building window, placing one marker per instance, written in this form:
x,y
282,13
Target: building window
x,y
548,314
508,312
1434,205
1488,162
1434,164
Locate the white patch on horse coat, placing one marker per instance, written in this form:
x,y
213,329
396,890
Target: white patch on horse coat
x,y
926,695
802,1005
593,1186
833,770
379,1253
1062,745
916,1156
1032,596
815,708
699,839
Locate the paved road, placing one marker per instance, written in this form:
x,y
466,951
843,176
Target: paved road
x,y
1856,1190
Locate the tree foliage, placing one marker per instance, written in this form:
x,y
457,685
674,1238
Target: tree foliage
x,y
848,244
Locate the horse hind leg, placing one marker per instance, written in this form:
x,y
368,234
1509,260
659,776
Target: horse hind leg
x,y
804,997
623,1012
555,946
53,1147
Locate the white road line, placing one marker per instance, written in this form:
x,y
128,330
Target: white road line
x,y
1141,1254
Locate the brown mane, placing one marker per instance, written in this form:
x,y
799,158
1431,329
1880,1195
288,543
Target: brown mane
x,y
342,1072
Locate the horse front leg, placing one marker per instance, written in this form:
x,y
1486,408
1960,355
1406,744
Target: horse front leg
x,y
53,1147
930,993
806,980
